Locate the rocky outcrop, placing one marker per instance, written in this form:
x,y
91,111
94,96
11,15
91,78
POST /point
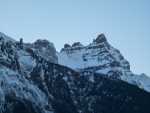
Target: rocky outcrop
x,y
100,39
46,49
66,46
77,44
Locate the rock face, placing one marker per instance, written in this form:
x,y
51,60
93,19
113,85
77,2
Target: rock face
x,y
77,44
30,82
100,57
46,49
100,39
67,46
98,53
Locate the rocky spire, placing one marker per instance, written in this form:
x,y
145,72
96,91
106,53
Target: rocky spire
x,y
100,38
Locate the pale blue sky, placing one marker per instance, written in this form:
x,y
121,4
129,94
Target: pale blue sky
x,y
126,24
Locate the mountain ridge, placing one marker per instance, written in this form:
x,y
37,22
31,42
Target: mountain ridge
x,y
99,56
33,81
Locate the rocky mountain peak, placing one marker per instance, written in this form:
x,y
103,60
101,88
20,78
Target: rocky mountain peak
x,y
101,57
100,38
84,79
97,53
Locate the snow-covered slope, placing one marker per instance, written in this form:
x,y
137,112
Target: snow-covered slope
x,y
100,57
15,85
17,60
92,55
32,81
7,38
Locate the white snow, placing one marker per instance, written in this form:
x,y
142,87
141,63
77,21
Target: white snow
x,y
101,55
6,38
91,78
14,84
142,80
82,58
103,71
26,61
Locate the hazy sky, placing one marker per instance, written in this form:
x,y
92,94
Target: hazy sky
x,y
126,24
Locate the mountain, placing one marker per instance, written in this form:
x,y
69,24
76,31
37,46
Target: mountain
x,y
100,57
33,79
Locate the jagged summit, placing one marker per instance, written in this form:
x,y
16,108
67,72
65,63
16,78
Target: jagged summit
x,y
100,38
100,57
100,41
74,45
97,53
